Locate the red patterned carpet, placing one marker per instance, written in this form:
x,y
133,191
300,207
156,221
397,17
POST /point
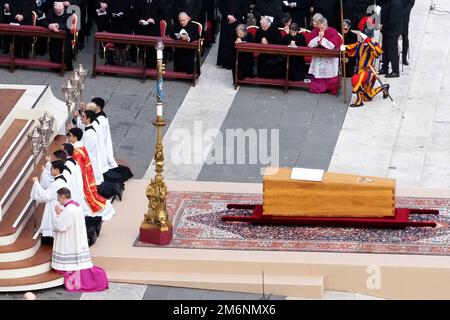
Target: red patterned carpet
x,y
197,224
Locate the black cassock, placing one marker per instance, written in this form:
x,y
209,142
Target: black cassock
x,y
270,65
271,8
350,38
183,59
144,10
24,8
192,7
246,61
300,13
101,20
296,64
123,23
56,45
238,9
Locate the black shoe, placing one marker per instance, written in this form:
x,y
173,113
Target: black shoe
x,y
385,91
354,105
381,72
393,75
98,226
405,62
47,241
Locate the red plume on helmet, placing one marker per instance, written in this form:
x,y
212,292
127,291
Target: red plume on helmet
x,y
364,21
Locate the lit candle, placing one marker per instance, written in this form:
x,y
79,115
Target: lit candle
x,y
159,110
159,54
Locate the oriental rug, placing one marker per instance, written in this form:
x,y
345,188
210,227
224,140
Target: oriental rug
x,y
197,225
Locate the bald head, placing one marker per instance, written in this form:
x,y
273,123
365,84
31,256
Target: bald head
x,y
59,8
183,18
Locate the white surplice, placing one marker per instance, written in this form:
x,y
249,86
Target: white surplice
x,y
70,247
103,160
46,176
91,143
75,182
106,133
49,197
323,67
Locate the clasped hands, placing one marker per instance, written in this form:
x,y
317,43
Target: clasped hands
x,y
54,27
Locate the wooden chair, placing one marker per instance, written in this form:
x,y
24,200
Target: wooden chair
x,y
283,32
34,17
200,35
162,28
74,32
252,30
162,34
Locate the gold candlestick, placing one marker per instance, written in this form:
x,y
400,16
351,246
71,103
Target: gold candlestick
x,y
157,227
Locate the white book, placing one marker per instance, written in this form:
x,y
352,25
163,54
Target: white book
x,y
307,174
286,3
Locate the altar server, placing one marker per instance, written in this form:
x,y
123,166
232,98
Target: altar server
x,y
90,141
48,196
75,179
99,206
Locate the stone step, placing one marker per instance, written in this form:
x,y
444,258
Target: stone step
x,y
12,142
15,178
41,281
25,246
18,215
304,286
37,264
9,99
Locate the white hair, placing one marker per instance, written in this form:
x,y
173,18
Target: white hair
x,y
58,4
241,27
323,21
317,16
183,14
266,19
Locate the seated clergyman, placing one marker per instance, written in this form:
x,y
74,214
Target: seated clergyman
x,y
187,31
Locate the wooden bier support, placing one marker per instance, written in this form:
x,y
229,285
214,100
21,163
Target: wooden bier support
x,y
144,41
338,200
283,50
30,31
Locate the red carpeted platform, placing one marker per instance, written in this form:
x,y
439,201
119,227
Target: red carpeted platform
x,y
399,221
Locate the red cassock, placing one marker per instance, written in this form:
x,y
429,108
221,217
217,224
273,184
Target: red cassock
x,y
95,201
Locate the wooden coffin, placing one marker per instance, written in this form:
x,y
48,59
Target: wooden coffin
x,y
337,195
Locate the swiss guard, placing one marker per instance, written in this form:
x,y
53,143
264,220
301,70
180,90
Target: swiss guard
x,y
366,50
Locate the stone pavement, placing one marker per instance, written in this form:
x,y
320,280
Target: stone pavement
x,y
130,105
374,140
414,149
121,291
